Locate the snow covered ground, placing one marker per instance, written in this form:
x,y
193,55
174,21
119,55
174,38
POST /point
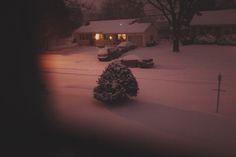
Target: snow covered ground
x,y
176,103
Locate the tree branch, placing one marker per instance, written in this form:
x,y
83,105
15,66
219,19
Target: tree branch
x,y
162,9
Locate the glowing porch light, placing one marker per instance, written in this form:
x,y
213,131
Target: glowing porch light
x,y
110,37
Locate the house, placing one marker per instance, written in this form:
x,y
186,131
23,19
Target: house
x,y
217,23
160,23
110,32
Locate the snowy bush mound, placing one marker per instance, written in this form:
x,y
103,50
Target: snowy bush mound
x,y
116,84
227,40
205,39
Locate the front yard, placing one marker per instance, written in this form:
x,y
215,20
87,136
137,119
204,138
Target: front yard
x,y
177,98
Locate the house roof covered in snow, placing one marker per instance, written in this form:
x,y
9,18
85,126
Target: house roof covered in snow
x,y
114,26
219,17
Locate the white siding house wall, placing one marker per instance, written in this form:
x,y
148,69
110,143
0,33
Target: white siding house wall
x,y
136,38
150,32
137,32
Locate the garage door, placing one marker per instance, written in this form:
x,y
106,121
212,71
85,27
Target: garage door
x,y
137,39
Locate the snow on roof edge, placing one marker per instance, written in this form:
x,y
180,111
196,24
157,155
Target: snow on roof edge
x,y
215,17
114,26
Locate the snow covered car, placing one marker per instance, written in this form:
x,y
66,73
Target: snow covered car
x,y
108,53
133,61
146,63
125,46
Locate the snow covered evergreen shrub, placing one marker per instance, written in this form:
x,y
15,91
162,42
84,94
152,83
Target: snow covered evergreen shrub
x,y
227,40
116,84
205,39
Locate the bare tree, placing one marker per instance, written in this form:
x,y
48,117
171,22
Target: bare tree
x,y
54,20
86,10
178,14
122,9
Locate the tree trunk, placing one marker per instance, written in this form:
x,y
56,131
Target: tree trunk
x,y
176,41
176,45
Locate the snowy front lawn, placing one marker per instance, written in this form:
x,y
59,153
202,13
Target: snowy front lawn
x,y
177,98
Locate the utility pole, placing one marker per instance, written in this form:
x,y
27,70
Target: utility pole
x,y
218,92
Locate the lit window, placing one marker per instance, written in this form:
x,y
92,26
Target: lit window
x,y
122,36
98,36
110,37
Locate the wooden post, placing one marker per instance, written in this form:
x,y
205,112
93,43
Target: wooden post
x,y
218,92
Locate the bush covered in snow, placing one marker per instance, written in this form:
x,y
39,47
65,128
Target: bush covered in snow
x,y
116,84
227,40
205,39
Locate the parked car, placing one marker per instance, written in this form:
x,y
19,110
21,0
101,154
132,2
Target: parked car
x,y
146,63
108,53
136,62
125,46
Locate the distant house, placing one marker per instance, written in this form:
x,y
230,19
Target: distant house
x,y
217,23
111,32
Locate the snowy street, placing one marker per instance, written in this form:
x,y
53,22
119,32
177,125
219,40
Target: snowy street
x,y
176,103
